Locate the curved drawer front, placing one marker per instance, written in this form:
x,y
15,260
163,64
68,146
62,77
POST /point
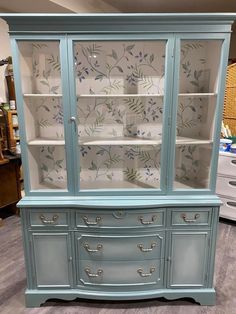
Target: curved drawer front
x,y
227,165
120,247
190,217
120,273
48,218
120,218
226,186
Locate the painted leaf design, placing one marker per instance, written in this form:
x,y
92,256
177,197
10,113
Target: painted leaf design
x,y
132,174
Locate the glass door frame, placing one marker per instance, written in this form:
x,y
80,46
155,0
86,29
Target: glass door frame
x,y
166,114
15,39
225,38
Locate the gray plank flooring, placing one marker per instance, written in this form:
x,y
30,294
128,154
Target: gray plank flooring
x,y
13,282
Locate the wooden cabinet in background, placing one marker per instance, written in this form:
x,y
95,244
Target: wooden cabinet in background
x,y
13,128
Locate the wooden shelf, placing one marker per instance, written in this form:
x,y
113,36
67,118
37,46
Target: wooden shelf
x,y
180,140
108,185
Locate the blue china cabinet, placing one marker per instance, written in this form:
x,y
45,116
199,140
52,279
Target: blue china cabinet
x,y
120,122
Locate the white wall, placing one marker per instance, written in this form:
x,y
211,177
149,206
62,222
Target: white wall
x,y
5,51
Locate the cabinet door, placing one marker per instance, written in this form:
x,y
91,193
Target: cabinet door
x,y
198,95
188,259
121,94
43,105
52,259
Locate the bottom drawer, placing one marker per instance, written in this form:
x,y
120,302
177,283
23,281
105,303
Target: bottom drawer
x,y
228,209
120,273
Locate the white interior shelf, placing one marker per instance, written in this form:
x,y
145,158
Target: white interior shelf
x,y
197,94
42,95
114,141
42,141
118,95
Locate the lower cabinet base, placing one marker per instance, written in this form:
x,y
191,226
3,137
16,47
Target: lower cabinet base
x,y
34,298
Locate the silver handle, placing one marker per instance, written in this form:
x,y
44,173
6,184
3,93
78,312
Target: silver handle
x,y
147,222
91,223
233,161
142,274
88,272
140,246
47,221
73,120
87,248
233,183
184,217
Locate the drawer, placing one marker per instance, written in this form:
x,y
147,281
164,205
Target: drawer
x,y
130,248
48,218
226,186
120,218
121,273
190,217
228,209
227,165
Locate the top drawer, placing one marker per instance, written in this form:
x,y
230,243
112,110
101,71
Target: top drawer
x,y
227,165
120,218
191,217
48,218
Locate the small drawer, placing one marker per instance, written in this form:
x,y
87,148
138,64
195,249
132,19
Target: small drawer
x,y
190,217
226,186
48,218
120,218
228,209
121,273
130,248
227,165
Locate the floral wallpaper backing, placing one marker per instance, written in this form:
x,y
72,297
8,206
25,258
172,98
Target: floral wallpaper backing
x,y
106,69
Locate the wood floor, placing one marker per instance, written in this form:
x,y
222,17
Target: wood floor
x,y
13,282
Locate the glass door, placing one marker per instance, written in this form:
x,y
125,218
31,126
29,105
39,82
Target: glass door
x,y
120,106
196,112
40,74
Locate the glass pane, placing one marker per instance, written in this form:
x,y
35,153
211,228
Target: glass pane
x,y
196,111
40,67
43,113
120,87
119,166
47,167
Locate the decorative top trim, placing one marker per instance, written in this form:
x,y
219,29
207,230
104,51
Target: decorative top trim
x,y
135,22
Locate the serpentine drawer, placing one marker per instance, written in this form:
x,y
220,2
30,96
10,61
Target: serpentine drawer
x,y
189,217
120,218
121,273
120,247
48,218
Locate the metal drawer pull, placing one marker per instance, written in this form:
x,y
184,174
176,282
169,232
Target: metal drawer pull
x,y
196,216
47,221
140,246
88,272
86,246
147,222
233,183
142,274
233,161
91,223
